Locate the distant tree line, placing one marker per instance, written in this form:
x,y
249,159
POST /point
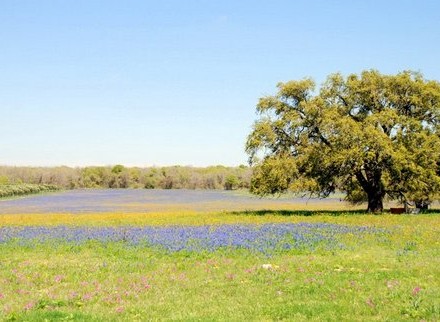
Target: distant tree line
x,y
119,176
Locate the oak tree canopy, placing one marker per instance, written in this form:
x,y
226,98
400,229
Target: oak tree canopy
x,y
370,136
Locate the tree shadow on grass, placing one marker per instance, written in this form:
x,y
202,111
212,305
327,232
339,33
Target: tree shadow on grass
x,y
305,213
308,213
431,211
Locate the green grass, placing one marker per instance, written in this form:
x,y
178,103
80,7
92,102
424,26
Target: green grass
x,y
384,277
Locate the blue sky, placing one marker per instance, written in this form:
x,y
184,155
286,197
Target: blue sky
x,y
176,82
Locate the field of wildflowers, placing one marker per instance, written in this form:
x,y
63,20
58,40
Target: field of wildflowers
x,y
149,200
219,265
267,238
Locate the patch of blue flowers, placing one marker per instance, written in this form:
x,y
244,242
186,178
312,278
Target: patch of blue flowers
x,y
261,238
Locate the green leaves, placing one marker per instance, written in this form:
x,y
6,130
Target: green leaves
x,y
273,175
374,131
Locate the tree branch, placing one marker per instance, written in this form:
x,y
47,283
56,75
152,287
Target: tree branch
x,y
362,181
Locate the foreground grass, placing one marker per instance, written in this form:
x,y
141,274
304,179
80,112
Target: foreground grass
x,y
391,276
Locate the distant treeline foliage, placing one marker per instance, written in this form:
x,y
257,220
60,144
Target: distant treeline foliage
x,y
118,176
12,190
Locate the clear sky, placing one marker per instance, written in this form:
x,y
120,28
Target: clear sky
x,y
86,82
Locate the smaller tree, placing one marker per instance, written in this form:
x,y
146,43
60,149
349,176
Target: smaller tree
x,y
231,182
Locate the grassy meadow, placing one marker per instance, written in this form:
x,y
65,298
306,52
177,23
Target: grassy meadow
x,y
234,266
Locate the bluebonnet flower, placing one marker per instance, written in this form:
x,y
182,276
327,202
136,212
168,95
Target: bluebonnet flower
x,y
261,238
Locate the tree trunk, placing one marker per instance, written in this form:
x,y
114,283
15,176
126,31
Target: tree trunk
x,y
422,204
374,189
375,201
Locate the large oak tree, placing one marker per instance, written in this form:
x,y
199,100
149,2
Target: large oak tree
x,y
369,135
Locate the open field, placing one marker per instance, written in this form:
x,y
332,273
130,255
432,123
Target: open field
x,y
387,270
219,265
148,201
